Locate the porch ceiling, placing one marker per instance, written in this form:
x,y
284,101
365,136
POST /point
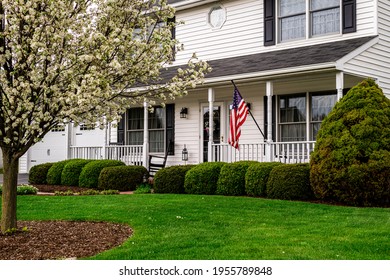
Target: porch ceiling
x,y
288,61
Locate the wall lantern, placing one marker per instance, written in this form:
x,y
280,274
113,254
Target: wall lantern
x,y
184,154
183,113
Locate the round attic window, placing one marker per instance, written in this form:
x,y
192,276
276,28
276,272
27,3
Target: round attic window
x,y
217,17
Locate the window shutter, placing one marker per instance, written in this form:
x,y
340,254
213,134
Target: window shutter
x,y
173,32
349,16
170,128
121,131
269,22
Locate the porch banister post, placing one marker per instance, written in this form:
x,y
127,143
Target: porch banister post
x,y
339,85
145,154
211,122
269,92
105,139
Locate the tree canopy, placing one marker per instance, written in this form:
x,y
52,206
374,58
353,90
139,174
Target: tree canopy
x,y
82,61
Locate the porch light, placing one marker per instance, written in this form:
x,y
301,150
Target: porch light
x,y
183,113
184,154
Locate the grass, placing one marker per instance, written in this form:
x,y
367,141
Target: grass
x,y
200,227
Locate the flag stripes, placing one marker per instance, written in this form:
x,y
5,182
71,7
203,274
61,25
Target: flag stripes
x,y
238,115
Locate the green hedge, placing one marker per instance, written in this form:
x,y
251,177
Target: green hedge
x,y
290,182
203,178
89,176
256,178
54,173
171,179
232,178
122,178
71,173
38,173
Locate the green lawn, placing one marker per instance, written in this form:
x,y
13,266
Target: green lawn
x,y
216,227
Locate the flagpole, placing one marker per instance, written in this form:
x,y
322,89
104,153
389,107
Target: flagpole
x,y
251,114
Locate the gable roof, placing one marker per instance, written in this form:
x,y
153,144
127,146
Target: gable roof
x,y
280,59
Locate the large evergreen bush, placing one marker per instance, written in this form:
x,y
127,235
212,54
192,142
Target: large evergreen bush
x,y
171,179
89,176
232,178
122,178
351,159
256,178
290,182
203,178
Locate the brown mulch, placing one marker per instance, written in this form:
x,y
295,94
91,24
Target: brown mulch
x,y
48,240
52,240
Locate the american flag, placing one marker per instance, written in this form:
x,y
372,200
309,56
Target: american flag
x,y
238,115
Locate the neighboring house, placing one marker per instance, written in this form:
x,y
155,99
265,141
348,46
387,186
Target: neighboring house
x,y
291,60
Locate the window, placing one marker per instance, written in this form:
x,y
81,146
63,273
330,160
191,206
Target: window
x,y
292,118
216,17
321,105
160,127
295,119
87,126
58,128
300,19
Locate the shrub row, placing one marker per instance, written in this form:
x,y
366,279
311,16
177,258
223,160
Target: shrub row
x,y
98,174
273,180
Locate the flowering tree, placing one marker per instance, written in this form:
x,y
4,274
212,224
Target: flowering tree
x,y
81,61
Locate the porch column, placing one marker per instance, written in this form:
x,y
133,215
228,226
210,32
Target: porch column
x,y
211,122
269,88
339,85
145,149
69,131
105,140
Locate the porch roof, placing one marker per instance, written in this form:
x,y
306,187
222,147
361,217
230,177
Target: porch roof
x,y
276,61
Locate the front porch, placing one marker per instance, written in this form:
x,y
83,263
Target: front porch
x,y
285,152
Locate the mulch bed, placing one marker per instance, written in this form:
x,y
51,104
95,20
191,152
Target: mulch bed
x,y
54,188
51,240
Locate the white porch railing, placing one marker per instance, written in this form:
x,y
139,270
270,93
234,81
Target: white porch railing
x,y
286,152
129,154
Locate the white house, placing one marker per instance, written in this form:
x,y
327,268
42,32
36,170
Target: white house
x,y
290,59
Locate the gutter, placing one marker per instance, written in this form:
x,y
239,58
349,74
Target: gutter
x,y
187,4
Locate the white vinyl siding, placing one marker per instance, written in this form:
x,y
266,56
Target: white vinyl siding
x,y
242,33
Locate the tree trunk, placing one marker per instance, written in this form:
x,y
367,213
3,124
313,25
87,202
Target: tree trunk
x,y
10,181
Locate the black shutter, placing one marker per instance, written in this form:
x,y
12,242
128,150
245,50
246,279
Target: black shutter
x,y
170,128
349,16
173,32
121,131
269,22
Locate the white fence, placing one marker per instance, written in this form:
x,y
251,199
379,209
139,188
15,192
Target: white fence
x,y
129,154
286,152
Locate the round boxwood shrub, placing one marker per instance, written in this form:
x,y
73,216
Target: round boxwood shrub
x,y
290,182
38,173
171,179
54,173
203,178
351,159
232,178
256,178
89,176
122,178
71,173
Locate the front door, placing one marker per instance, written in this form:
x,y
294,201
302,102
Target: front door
x,y
217,135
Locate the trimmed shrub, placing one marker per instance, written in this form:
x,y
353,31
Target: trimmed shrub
x,y
121,178
54,173
351,159
290,182
256,178
203,178
71,173
171,179
89,176
232,178
38,173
